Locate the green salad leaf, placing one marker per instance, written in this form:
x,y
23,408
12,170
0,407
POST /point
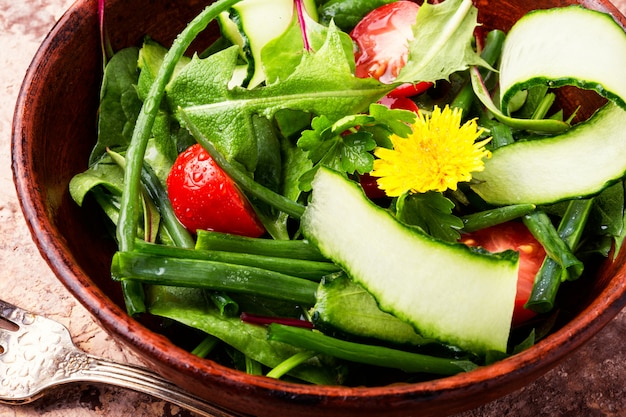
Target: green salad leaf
x,y
282,55
323,83
431,212
346,145
189,306
442,44
119,103
346,14
104,173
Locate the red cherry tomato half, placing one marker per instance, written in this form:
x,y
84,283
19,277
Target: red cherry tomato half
x,y
410,90
370,187
513,235
403,103
382,39
205,198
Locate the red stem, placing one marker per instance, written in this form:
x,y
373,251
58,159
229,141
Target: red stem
x,y
305,38
101,23
267,320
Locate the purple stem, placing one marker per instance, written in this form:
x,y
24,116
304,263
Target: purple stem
x,y
267,320
105,43
300,11
101,23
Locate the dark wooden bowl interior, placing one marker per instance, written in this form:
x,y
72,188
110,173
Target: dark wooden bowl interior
x,y
54,131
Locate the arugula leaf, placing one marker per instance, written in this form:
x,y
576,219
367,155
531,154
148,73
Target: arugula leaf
x,y
281,56
322,83
431,212
149,62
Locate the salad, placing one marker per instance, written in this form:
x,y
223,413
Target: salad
x,y
359,193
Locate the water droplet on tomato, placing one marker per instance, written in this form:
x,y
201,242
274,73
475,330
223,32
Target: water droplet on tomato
x,y
197,176
203,156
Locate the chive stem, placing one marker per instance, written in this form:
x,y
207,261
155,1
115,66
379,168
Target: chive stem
x,y
127,226
288,364
205,347
179,235
492,217
550,275
293,249
253,367
194,273
311,270
367,354
556,248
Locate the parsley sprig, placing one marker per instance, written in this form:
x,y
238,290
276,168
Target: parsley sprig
x,y
346,144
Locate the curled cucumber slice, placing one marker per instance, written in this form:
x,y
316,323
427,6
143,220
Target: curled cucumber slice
x,y
580,162
556,47
565,46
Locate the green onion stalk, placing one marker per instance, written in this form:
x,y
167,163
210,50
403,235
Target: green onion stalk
x,y
127,226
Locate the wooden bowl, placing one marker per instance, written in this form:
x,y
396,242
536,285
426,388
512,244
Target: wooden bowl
x,y
54,131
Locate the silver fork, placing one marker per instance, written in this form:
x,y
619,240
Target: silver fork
x,y
37,354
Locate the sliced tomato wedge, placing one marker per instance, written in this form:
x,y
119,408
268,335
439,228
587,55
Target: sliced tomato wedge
x,y
515,236
370,187
203,197
403,103
409,90
382,38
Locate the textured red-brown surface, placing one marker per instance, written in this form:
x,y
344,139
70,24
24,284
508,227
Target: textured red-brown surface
x,y
590,383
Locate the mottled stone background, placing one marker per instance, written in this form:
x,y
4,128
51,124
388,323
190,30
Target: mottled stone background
x,y
590,383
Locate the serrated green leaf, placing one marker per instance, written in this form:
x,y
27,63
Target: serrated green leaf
x,y
201,90
323,83
442,43
282,55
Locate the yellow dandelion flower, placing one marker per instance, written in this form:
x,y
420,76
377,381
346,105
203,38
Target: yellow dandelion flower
x,y
436,156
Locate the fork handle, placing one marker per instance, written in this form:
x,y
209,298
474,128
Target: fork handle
x,y
145,381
